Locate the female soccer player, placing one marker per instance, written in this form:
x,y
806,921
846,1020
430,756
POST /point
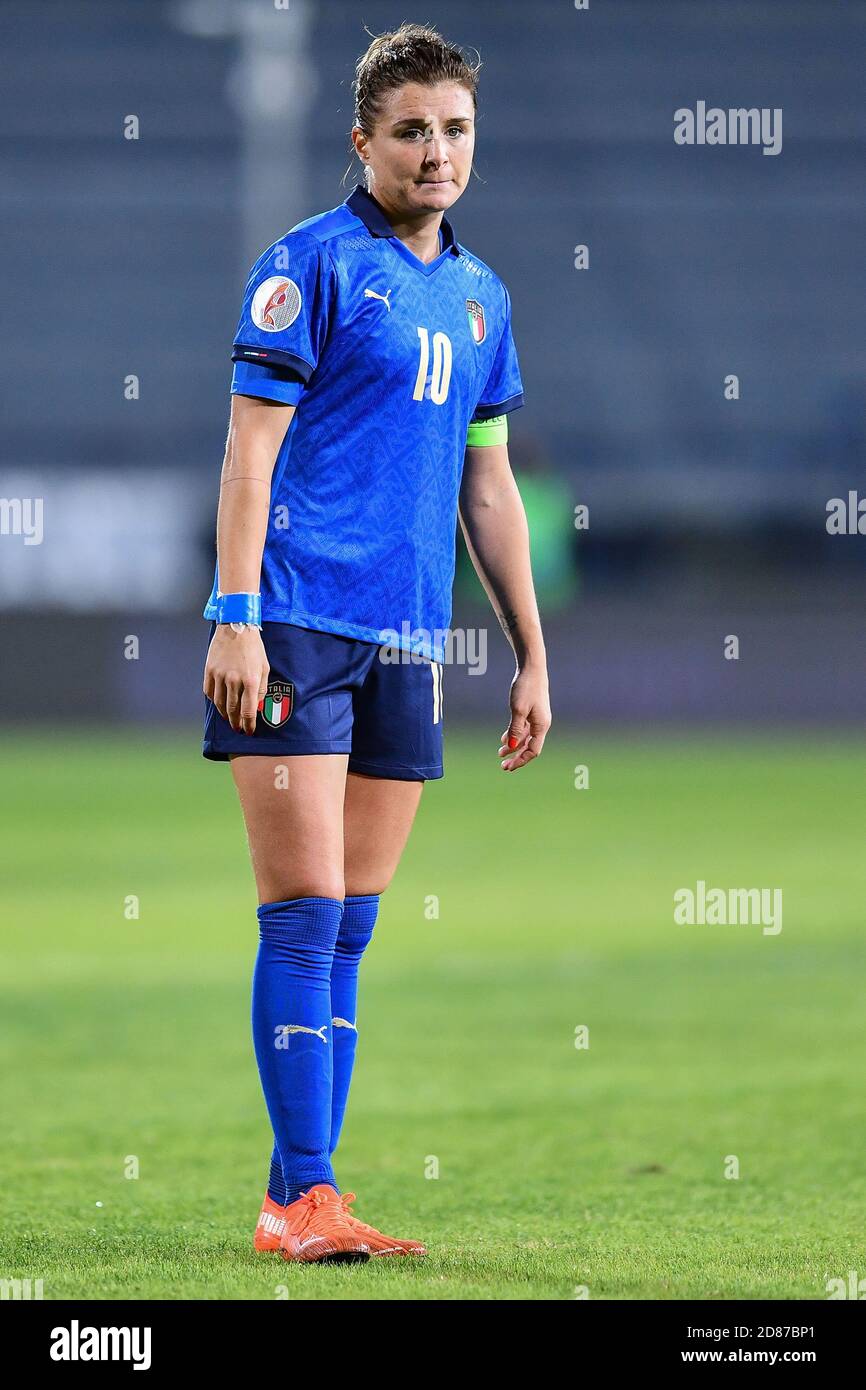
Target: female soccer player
x,y
374,372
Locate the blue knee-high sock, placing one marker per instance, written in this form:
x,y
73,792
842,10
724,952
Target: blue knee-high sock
x,y
356,928
292,1034
276,1181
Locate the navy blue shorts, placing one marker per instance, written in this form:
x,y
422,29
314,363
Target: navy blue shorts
x,y
332,694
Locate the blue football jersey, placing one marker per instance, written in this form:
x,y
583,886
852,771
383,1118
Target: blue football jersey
x,y
387,361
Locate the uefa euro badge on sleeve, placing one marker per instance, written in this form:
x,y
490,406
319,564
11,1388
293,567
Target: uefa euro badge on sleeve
x,y
276,304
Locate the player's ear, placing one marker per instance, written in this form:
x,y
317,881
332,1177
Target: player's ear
x,y
359,140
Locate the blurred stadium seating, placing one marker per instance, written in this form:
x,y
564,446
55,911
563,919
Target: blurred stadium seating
x,y
707,517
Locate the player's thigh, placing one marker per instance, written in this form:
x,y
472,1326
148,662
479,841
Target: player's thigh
x,y
293,809
377,819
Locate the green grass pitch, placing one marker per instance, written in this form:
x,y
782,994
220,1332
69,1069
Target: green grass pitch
x,y
562,1172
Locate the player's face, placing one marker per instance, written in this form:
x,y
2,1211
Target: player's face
x,y
420,152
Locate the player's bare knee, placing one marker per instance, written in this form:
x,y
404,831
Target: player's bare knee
x,y
373,885
287,890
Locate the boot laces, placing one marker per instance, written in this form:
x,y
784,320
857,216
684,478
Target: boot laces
x,y
347,1198
329,1213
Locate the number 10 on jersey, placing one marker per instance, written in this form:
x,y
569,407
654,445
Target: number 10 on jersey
x,y
440,377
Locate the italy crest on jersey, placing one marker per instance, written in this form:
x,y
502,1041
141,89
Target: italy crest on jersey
x,y
276,707
476,320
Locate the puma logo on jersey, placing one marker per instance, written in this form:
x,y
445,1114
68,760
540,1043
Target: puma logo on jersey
x,y
371,294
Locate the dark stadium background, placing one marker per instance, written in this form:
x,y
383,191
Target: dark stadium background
x,y
706,517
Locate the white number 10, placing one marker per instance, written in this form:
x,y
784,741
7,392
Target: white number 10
x,y
440,377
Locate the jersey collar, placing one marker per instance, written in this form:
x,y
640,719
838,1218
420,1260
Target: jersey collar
x,y
364,205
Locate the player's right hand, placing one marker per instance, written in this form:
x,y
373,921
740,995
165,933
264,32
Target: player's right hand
x,y
236,675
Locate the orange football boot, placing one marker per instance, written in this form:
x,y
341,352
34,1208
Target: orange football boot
x,y
379,1244
270,1226
319,1228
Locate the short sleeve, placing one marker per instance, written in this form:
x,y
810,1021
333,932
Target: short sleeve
x,y
274,383
284,319
504,389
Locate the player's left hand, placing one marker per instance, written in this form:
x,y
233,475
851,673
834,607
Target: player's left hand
x,y
523,740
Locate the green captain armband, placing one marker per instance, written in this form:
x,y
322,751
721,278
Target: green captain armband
x,y
493,431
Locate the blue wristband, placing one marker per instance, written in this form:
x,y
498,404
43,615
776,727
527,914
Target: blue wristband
x,y
239,608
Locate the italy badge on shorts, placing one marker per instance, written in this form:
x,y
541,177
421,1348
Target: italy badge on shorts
x,y
276,707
